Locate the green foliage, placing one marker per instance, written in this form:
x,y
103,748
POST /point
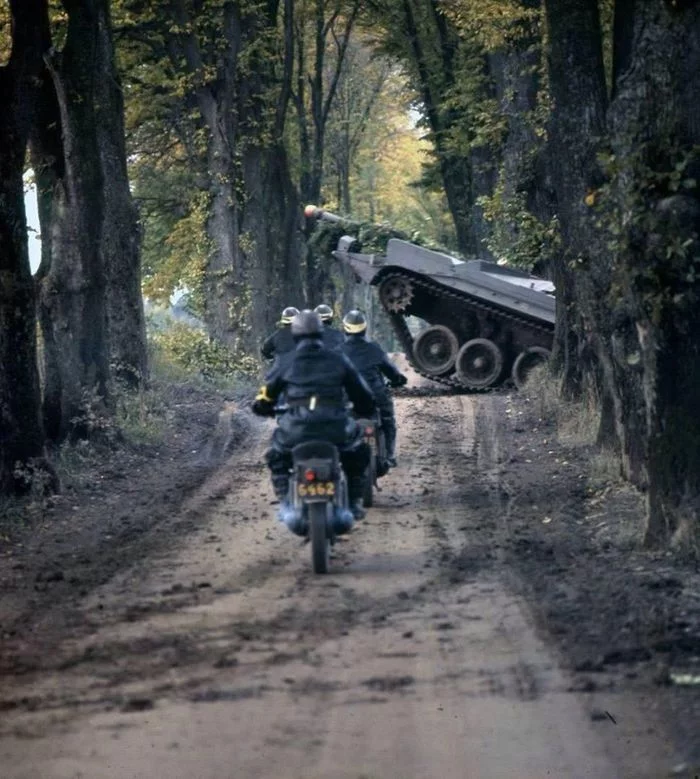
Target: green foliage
x,y
494,23
5,33
641,209
518,238
142,416
175,253
191,350
481,122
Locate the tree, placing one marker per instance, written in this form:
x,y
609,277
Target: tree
x,y
21,434
654,169
361,90
233,68
450,74
90,300
319,70
578,90
629,203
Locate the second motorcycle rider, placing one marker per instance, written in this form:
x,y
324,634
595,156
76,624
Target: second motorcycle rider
x,y
375,368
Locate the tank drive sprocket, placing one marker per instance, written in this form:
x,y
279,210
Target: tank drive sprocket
x,y
396,294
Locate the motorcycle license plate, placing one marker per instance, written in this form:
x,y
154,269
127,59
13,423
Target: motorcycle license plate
x,y
317,488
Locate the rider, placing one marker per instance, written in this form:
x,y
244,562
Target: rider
x,y
332,338
374,366
314,381
281,341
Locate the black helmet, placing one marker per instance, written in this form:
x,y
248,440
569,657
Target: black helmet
x,y
288,314
325,312
354,322
307,324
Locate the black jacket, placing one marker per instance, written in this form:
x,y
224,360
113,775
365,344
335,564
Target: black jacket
x,y
372,363
280,342
332,338
312,370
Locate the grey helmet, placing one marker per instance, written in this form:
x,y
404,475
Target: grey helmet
x,y
288,314
307,324
354,322
325,312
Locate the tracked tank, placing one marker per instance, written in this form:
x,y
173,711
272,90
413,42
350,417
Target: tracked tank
x,y
486,324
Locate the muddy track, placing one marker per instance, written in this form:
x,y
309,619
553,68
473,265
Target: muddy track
x,y
220,655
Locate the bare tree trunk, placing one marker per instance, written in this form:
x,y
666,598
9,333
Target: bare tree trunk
x,y
224,272
74,286
433,46
21,434
121,244
577,82
272,223
655,123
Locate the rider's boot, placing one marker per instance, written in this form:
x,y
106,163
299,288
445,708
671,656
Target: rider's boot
x,y
390,434
280,484
357,509
355,488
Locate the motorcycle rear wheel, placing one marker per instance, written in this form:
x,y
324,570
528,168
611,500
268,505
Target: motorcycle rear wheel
x,y
370,477
320,541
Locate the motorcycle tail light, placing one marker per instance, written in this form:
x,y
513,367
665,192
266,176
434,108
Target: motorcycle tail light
x,y
369,431
309,475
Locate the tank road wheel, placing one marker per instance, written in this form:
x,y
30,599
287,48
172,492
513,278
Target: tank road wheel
x,y
479,363
525,362
435,350
396,294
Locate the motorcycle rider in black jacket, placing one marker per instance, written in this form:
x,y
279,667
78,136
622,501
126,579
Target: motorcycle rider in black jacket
x,y
374,366
281,341
332,338
315,382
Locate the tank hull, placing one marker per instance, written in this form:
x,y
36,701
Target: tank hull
x,y
487,324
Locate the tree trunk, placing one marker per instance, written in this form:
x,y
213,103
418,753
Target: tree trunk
x,y
433,48
224,272
73,287
21,434
577,83
121,245
272,223
655,121
525,182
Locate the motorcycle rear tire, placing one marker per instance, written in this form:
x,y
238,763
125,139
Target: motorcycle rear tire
x,y
320,541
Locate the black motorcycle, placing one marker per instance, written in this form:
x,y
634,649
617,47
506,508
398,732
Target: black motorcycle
x,y
319,494
373,434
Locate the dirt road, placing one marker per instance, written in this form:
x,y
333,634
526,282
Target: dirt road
x,y
223,657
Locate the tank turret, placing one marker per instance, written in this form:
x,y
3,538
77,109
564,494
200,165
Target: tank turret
x,y
486,323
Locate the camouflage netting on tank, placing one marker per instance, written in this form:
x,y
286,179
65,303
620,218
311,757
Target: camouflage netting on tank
x,y
373,239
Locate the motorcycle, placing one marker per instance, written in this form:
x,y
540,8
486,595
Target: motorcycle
x,y
319,494
373,434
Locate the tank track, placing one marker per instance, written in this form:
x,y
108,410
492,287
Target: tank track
x,y
405,338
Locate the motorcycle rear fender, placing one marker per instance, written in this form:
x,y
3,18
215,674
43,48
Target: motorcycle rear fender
x,y
319,456
321,450
325,470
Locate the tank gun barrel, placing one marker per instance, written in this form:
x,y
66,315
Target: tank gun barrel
x,y
314,212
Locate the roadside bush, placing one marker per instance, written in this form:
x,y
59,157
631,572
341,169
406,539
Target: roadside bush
x,y
189,349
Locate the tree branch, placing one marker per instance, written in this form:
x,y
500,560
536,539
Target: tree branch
x,y
342,48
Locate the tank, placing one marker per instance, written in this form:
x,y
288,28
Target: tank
x,y
486,324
